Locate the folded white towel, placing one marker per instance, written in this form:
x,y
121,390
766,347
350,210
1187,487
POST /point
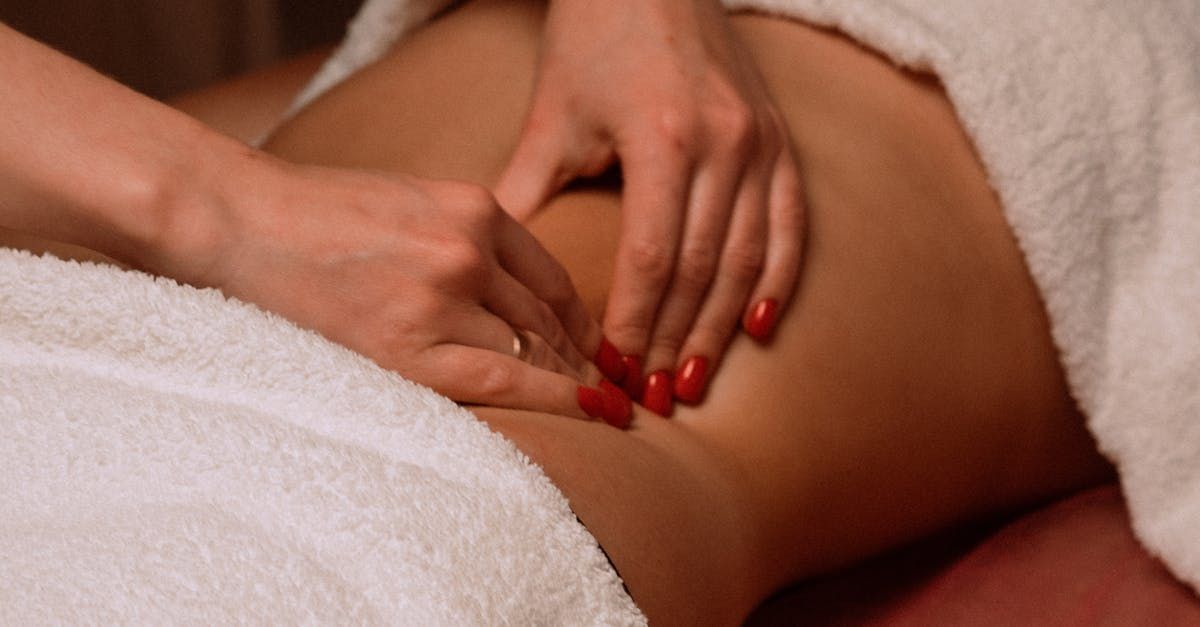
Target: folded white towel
x,y
1086,114
167,455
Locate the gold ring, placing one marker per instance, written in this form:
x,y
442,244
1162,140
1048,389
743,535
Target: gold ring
x,y
520,345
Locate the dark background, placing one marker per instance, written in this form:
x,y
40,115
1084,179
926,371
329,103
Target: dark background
x,y
165,47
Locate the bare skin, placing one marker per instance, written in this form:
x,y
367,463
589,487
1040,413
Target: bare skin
x,y
438,267
911,385
261,97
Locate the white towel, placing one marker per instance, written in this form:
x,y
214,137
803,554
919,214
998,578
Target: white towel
x,y
1086,114
170,456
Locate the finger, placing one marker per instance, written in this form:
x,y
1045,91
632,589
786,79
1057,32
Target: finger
x,y
519,307
479,328
656,191
534,267
541,164
785,246
705,232
472,375
740,267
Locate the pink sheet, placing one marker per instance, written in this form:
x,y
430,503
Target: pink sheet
x,y
1073,563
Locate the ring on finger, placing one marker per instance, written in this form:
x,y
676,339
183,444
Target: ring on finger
x,y
520,345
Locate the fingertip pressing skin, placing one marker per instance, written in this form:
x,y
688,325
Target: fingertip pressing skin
x,y
760,319
692,380
591,401
696,285
657,395
609,360
618,409
634,383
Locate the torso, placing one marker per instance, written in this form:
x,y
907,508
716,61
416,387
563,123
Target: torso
x,y
897,331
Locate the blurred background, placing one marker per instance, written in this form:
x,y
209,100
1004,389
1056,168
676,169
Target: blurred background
x,y
167,47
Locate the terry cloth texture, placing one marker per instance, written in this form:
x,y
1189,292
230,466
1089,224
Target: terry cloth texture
x,y
1086,114
168,455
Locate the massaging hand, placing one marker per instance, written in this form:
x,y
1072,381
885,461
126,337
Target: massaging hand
x,y
427,278
712,219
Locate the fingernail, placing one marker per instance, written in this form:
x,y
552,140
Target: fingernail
x,y
760,320
634,383
591,401
657,396
608,360
693,376
618,409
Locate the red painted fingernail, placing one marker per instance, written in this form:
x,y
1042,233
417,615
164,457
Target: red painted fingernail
x,y
634,383
618,409
591,401
692,378
760,320
608,359
657,397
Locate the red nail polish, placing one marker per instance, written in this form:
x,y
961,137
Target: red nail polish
x,y
657,396
760,320
591,401
608,359
634,383
618,409
692,378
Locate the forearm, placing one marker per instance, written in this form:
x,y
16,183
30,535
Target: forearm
x,y
87,161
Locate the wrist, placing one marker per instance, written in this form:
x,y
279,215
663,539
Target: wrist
x,y
95,164
181,221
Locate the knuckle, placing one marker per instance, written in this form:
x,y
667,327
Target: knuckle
x,y
744,262
629,334
475,196
418,311
666,345
474,202
735,122
696,266
462,261
652,260
406,328
677,129
498,380
541,120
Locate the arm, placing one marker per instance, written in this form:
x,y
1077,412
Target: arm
x,y
89,162
427,278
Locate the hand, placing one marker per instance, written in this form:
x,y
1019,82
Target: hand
x,y
427,278
712,219
431,279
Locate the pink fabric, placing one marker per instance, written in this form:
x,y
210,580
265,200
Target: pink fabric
x,y
1073,563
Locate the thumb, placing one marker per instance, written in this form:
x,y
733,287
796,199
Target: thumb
x,y
545,159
